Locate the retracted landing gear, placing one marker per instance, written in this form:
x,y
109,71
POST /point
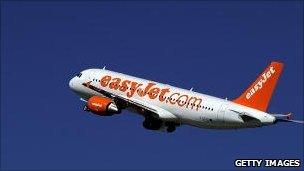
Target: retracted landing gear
x,y
170,127
152,123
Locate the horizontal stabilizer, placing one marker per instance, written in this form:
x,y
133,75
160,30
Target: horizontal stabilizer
x,y
282,116
286,118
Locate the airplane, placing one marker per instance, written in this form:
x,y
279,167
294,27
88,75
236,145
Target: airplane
x,y
165,107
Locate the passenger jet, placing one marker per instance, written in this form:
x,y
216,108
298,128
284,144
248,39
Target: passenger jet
x,y
166,107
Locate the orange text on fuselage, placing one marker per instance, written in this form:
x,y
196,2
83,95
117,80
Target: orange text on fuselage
x,y
151,90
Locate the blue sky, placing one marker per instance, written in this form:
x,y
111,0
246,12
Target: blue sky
x,y
216,47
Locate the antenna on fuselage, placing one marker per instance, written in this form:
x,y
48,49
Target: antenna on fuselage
x,y
191,88
83,100
104,68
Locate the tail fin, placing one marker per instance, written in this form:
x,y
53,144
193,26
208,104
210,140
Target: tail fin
x,y
260,91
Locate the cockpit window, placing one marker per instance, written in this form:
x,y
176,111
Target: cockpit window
x,y
79,75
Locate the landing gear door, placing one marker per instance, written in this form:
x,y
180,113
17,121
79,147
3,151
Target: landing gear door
x,y
222,112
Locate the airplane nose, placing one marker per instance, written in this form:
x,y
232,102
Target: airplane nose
x,y
71,83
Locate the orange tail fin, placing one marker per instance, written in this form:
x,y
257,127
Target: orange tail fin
x,y
259,92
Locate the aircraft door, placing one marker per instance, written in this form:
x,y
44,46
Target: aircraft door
x,y
222,112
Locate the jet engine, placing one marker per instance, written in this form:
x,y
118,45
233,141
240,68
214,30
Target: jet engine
x,y
101,106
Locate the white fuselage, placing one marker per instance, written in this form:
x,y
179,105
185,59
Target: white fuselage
x,y
187,106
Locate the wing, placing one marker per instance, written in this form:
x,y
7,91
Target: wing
x,y
140,106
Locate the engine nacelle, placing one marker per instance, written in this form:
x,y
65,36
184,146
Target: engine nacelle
x,y
101,106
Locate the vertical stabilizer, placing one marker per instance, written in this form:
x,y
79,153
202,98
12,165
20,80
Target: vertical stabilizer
x,y
260,91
